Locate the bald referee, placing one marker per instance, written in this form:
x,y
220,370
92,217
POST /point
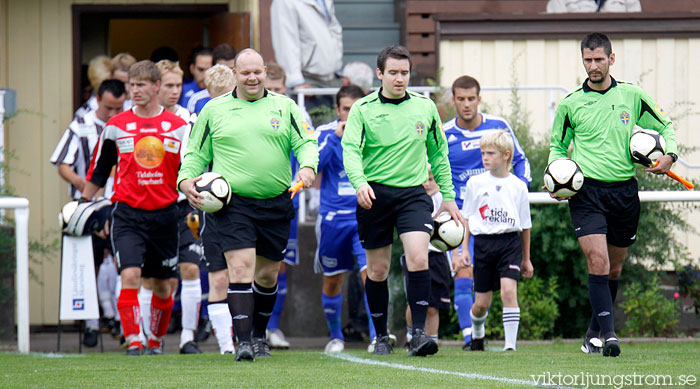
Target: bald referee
x,y
599,118
384,151
248,135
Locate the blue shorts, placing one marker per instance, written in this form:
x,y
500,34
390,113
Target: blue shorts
x,y
338,244
291,255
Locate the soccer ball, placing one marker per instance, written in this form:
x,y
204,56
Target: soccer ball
x,y
563,177
447,234
216,191
66,213
648,143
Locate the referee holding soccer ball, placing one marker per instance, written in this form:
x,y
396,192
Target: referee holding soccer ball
x,y
384,153
248,135
599,118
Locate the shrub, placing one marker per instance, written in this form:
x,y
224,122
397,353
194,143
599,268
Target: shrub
x,y
648,311
538,310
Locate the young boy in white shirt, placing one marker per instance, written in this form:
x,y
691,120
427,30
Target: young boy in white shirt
x,y
497,209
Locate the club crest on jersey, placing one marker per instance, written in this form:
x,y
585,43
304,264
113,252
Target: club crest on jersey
x,y
625,117
165,125
420,127
275,124
660,110
307,127
130,126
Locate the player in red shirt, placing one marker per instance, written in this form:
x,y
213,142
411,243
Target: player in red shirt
x,y
144,143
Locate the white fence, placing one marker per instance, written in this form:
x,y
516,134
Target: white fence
x,y
21,207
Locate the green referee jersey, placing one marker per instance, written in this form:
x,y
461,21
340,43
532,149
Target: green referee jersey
x,y
386,140
249,143
600,125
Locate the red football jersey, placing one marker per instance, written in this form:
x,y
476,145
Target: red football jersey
x,y
147,154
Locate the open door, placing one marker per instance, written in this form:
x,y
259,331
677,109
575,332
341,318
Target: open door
x,y
231,28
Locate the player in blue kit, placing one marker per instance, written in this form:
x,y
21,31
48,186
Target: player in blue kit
x,y
464,134
336,226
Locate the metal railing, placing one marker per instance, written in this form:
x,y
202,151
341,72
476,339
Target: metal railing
x,y
427,90
21,207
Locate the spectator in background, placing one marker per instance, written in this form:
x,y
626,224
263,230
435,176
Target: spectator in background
x,y
202,59
308,43
119,68
276,78
358,73
224,54
99,70
564,6
164,52
217,83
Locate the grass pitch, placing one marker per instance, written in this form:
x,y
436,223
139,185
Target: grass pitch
x,y
655,364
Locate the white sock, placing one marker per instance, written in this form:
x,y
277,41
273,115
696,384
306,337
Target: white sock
x,y
145,296
478,328
190,300
409,334
105,284
222,326
511,320
117,292
92,324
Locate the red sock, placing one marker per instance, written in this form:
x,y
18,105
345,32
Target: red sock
x,y
161,308
128,306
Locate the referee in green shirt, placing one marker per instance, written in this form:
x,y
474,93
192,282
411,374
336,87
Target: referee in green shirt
x,y
599,118
247,136
387,136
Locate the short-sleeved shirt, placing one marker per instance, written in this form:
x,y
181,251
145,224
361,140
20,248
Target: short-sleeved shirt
x,y
188,89
496,205
147,154
77,144
600,125
386,141
465,152
249,143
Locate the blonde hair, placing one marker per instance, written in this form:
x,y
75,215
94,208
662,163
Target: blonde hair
x,y
123,62
166,65
219,80
98,71
501,141
144,70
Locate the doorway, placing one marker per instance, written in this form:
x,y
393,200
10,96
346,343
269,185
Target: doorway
x,y
139,29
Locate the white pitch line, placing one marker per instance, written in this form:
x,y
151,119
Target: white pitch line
x,y
514,381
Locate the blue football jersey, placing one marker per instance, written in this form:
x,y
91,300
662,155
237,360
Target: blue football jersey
x,y
337,193
465,152
188,89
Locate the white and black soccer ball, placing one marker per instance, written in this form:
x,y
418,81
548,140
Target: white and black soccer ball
x,y
648,143
563,177
447,234
216,191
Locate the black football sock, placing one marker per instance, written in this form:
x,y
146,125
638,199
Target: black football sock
x,y
601,302
240,303
418,296
594,328
378,301
264,299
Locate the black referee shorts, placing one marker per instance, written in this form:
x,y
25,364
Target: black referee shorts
x,y
146,239
610,208
407,209
262,224
440,279
190,247
213,255
495,257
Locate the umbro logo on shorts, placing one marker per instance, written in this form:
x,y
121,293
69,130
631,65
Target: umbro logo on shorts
x,y
377,314
422,302
240,317
514,267
603,314
429,226
266,314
